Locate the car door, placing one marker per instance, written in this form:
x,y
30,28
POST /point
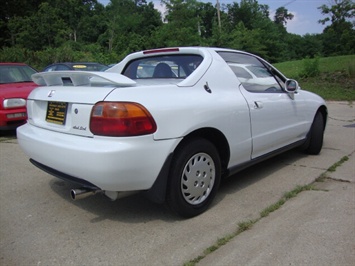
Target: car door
x,y
277,120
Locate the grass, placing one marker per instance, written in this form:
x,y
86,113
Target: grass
x,y
335,80
246,225
288,195
337,164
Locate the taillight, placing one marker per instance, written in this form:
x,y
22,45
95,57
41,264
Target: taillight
x,y
121,119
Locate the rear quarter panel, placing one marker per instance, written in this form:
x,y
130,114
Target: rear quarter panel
x,y
178,111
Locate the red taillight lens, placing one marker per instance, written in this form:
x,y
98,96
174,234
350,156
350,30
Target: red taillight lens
x,y
121,119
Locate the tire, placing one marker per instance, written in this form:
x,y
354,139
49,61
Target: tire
x,y
315,136
194,178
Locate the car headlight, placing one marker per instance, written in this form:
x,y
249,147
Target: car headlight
x,y
14,102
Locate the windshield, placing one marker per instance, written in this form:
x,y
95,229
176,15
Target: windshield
x,y
171,66
15,73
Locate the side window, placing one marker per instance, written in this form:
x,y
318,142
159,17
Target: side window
x,y
252,73
62,67
48,69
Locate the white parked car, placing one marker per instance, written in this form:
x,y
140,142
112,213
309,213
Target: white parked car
x,y
169,123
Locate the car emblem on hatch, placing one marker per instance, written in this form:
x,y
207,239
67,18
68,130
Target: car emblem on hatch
x,y
50,94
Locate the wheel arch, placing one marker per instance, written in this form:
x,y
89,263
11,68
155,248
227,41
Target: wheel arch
x,y
157,193
324,111
217,138
306,146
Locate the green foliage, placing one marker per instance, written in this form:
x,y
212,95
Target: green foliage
x,y
336,80
244,226
310,68
247,40
129,26
69,52
339,36
337,164
282,15
272,208
247,225
340,11
351,70
326,65
331,89
12,54
250,12
47,31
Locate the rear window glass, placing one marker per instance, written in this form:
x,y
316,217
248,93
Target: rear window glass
x,y
171,66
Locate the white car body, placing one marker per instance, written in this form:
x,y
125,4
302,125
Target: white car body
x,y
211,100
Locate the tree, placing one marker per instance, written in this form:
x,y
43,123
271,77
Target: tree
x,y
282,15
339,36
15,9
247,26
78,14
129,25
340,11
250,12
92,25
52,23
182,25
247,40
33,32
207,15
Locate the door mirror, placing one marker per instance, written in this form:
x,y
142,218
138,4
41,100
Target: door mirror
x,y
291,85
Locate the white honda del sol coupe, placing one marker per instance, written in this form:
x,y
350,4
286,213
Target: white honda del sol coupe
x,y
169,123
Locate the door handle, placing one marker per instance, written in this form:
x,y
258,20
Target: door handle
x,y
258,105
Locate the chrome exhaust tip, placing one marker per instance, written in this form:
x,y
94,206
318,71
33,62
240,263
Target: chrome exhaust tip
x,y
81,193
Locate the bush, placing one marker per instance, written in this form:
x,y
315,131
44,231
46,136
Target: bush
x,y
310,68
351,70
68,52
16,55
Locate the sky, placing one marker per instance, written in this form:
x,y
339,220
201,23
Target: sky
x,y
306,12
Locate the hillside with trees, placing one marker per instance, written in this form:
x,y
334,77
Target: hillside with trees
x,y
40,32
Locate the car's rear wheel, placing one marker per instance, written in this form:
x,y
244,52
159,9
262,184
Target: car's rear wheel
x,y
194,177
315,137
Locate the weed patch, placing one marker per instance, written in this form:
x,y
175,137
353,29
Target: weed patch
x,y
310,68
337,164
246,225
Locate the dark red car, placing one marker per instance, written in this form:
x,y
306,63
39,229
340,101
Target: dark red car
x,y
15,85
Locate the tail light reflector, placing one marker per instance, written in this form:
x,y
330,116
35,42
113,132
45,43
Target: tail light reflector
x,y
121,119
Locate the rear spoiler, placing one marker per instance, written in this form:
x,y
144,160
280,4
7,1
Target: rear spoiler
x,y
81,78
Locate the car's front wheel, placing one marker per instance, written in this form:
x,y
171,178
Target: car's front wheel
x,y
194,177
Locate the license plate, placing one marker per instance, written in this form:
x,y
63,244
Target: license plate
x,y
56,112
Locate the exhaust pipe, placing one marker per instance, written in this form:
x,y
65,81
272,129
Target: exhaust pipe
x,y
81,193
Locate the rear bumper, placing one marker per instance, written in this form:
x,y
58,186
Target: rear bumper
x,y
107,163
12,118
65,177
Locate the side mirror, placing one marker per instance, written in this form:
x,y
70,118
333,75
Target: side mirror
x,y
291,85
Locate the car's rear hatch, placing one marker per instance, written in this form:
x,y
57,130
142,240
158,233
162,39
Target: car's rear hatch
x,y
64,101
